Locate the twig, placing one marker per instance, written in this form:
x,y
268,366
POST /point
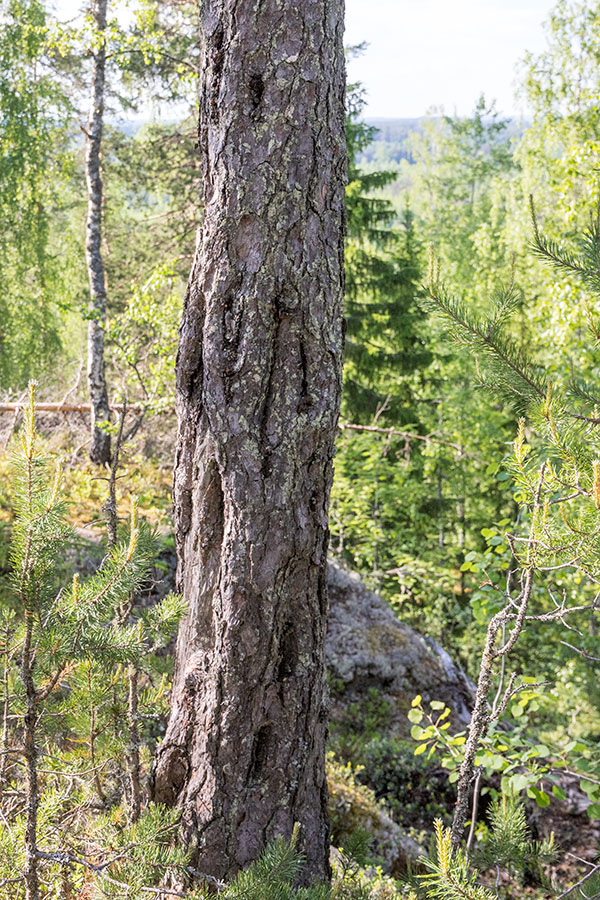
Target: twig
x,y
66,858
474,809
75,384
394,432
581,652
480,718
110,507
579,883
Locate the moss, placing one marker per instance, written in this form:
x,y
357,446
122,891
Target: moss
x,y
383,636
354,810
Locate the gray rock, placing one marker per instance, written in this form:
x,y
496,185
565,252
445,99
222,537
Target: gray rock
x,y
369,649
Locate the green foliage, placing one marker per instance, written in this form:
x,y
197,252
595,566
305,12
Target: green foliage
x,y
462,166
405,506
384,342
76,655
427,515
450,876
354,813
511,375
415,790
274,877
563,416
145,337
511,760
361,721
508,844
140,850
34,164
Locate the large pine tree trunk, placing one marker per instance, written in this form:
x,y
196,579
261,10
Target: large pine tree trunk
x,y
100,442
258,391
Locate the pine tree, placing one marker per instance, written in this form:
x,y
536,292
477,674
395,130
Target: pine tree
x,y
258,391
453,875
67,652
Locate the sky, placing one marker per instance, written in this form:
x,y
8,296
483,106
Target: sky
x,y
425,53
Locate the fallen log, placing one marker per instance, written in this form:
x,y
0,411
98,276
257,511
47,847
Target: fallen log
x,y
115,407
62,407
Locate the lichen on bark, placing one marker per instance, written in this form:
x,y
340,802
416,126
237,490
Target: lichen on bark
x,y
258,390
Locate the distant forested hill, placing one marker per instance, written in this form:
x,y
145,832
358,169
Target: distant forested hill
x,y
390,144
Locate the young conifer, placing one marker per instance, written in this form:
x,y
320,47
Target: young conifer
x,y
66,649
555,468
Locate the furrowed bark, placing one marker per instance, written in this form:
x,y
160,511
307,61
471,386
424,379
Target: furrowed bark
x,y
100,443
258,391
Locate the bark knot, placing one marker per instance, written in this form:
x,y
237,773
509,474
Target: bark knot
x,y
256,87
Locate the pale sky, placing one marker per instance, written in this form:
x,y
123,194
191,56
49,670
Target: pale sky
x,y
425,53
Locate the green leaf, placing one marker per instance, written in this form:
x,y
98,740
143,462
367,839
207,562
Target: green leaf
x,y
416,700
541,798
518,783
415,715
593,811
588,787
420,749
437,704
541,750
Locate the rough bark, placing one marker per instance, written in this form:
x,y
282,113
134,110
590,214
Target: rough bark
x,y
258,390
100,442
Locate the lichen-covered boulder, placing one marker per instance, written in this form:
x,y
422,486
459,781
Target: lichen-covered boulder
x,y
373,658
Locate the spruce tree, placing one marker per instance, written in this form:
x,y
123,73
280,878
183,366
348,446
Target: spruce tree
x,y
385,340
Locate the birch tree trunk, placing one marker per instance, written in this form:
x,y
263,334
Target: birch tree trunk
x,y
258,391
100,444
